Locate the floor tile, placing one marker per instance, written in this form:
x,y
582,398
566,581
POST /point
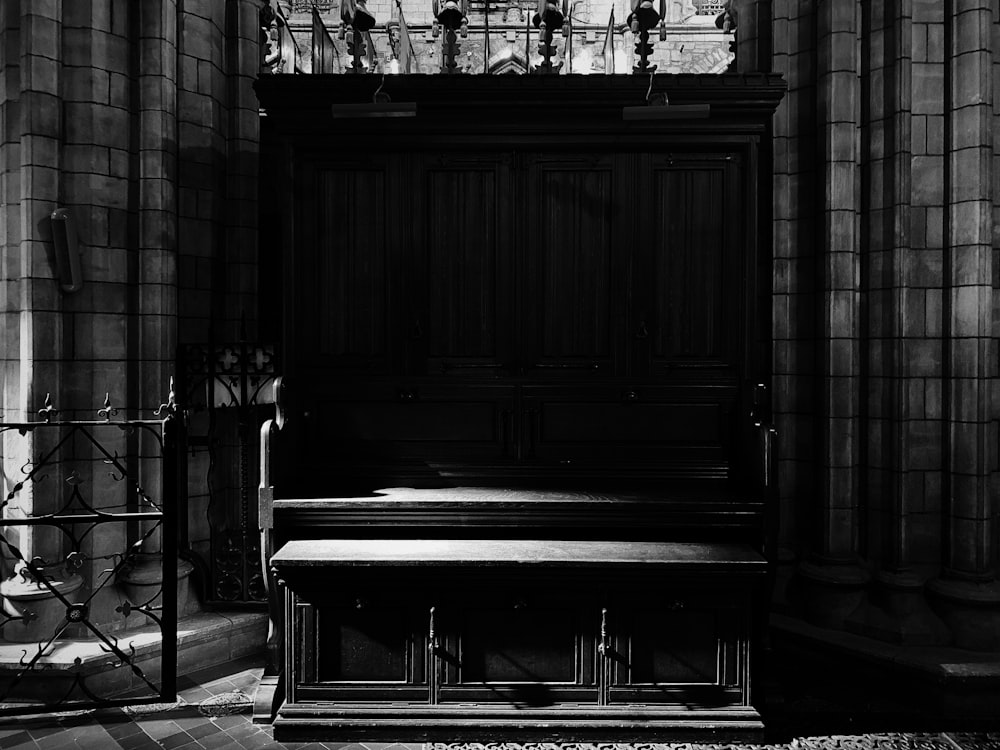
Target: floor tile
x,y
225,722
125,728
16,739
139,741
183,726
204,729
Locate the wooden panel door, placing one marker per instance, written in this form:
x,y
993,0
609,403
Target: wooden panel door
x,y
679,646
573,266
457,285
664,430
688,298
358,643
518,643
408,426
344,265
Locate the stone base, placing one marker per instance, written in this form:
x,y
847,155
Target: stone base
x,y
925,681
896,611
829,593
971,610
203,640
142,584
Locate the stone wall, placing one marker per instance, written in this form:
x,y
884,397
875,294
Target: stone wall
x,y
139,118
885,330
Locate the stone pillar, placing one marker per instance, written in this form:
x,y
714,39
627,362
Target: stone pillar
x,y
243,67
793,282
903,447
967,593
94,173
155,256
32,339
833,578
753,35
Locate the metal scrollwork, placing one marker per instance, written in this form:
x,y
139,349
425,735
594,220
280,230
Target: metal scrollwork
x,y
48,411
56,541
227,382
108,411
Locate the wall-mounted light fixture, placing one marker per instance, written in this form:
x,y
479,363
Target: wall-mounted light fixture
x,y
67,249
658,107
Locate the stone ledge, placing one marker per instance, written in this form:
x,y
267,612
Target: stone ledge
x,y
204,639
945,680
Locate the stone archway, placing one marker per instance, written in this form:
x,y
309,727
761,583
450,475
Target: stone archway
x,y
507,61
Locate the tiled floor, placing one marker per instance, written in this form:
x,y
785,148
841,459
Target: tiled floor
x,y
213,711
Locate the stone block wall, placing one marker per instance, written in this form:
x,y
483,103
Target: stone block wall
x,y
140,119
885,328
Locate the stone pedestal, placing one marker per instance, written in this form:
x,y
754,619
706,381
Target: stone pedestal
x,y
41,612
783,592
971,610
142,585
829,592
896,610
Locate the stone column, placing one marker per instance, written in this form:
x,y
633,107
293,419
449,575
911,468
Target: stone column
x,y
242,164
753,35
833,578
94,172
967,594
33,333
793,281
904,448
155,256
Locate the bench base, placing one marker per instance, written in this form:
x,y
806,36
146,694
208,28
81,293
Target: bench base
x,y
475,724
468,639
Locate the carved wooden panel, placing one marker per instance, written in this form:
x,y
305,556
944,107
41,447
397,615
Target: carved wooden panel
x,y
688,258
394,423
353,645
687,280
572,266
362,643
578,426
677,647
517,645
459,286
349,288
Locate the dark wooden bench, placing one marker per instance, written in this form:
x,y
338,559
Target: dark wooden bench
x,y
471,613
525,489
548,637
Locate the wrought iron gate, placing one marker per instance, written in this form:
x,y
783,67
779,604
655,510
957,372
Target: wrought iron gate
x,y
88,535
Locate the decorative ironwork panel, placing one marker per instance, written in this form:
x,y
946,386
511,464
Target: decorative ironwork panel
x,y
225,385
88,534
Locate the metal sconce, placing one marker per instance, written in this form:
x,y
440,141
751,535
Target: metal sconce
x,y
67,250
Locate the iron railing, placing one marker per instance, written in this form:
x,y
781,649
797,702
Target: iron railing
x,y
88,535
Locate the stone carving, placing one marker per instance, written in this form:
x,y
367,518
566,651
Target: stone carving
x,y
711,7
679,11
270,47
513,13
305,6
